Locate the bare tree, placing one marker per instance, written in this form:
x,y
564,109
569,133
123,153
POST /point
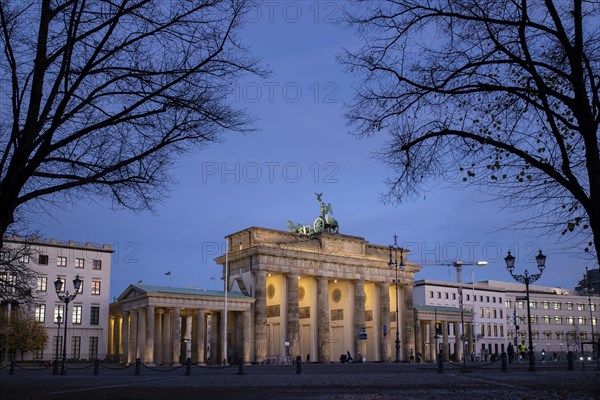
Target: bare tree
x,y
17,279
502,94
99,97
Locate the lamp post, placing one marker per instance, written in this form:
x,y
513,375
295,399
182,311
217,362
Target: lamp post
x,y
66,298
527,279
589,288
394,250
55,367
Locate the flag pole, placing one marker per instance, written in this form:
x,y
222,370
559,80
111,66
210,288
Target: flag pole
x,y
225,313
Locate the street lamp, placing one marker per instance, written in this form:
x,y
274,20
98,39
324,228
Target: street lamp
x,y
394,249
527,279
58,321
66,298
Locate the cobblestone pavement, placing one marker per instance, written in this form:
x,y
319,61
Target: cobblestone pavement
x,y
344,382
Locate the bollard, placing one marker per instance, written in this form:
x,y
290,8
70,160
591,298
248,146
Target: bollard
x,y
503,363
188,367
298,365
138,364
570,361
55,367
96,366
13,363
440,362
240,366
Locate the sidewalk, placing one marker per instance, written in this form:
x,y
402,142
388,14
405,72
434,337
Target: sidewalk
x,y
354,381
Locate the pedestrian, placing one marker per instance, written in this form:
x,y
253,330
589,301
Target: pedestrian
x,y
522,350
412,356
349,357
511,352
543,355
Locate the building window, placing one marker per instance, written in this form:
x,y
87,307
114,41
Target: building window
x,y
508,304
594,321
536,335
59,310
95,315
581,321
468,297
580,307
482,331
93,354
56,343
431,294
495,313
453,296
496,330
558,320
481,312
61,261
545,305
494,299
501,331
96,288
40,313
593,307
489,330
560,335
570,321
519,304
487,299
481,299
97,264
42,283
487,313
521,319
24,258
546,319
77,315
76,347
533,304
43,259
548,335
569,305
439,295
534,319
79,263
500,300
446,295
501,314
557,305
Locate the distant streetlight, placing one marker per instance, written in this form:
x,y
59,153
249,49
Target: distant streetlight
x,y
66,298
394,250
527,279
55,369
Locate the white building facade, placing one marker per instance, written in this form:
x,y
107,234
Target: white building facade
x,y
87,317
561,319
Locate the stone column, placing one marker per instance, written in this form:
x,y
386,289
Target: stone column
x,y
111,336
433,350
176,338
407,319
200,337
133,332
457,342
445,327
158,349
260,315
418,339
360,346
323,344
215,341
293,322
188,337
149,351
141,334
125,337
246,336
166,353
384,301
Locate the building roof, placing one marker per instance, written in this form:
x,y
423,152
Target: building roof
x,y
187,291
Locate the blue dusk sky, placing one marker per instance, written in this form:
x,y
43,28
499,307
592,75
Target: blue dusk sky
x,y
302,145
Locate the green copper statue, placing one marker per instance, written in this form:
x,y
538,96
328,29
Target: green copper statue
x,y
323,223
